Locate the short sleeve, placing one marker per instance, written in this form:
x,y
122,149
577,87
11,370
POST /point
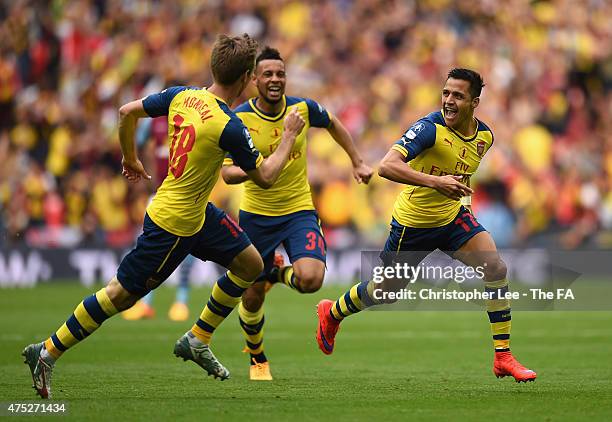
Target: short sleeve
x,y
228,160
317,115
236,140
420,136
156,105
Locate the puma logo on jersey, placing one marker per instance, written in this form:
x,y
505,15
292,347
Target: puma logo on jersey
x,y
406,142
448,142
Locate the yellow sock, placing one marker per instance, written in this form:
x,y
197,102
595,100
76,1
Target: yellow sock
x,y
225,296
252,327
499,315
350,302
86,319
287,277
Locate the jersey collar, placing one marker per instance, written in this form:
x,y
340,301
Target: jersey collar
x,y
215,96
265,116
463,138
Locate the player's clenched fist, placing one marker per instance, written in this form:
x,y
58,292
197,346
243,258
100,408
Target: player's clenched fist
x,y
293,122
362,173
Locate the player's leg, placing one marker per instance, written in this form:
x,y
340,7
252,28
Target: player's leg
x,y
225,242
86,318
227,292
251,317
305,244
221,240
266,233
179,311
305,275
195,344
155,256
414,244
356,299
479,250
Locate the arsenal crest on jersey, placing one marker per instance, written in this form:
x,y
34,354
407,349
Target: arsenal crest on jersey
x,y
480,146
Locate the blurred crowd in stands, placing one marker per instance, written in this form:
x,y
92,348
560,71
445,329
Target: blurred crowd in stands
x,y
66,67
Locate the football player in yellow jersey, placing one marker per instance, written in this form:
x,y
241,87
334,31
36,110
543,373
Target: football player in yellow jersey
x,y
283,214
180,220
442,150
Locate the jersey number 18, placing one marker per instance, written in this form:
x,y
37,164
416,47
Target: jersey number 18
x,y
179,150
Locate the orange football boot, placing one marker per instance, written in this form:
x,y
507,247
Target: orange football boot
x,y
260,371
506,365
327,328
140,310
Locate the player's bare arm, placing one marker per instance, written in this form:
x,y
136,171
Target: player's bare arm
x,y
267,173
394,168
129,113
361,171
234,175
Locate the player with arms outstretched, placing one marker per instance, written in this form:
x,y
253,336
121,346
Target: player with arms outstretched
x,y
284,213
442,151
179,221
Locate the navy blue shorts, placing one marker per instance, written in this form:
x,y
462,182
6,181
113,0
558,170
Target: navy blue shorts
x,y
158,252
299,232
448,238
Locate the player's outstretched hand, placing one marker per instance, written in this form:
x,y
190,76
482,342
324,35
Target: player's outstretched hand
x,y
452,187
134,170
362,173
293,122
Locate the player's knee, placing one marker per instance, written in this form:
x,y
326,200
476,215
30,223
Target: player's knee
x,y
252,271
121,298
309,281
247,265
495,270
311,284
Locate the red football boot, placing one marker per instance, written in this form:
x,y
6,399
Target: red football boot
x,y
506,365
328,327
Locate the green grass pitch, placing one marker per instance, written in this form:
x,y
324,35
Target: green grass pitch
x,y
387,365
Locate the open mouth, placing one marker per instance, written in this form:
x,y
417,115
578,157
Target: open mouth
x,y
450,113
275,91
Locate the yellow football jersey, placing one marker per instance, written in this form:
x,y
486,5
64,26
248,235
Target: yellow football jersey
x,y
201,131
291,192
433,148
